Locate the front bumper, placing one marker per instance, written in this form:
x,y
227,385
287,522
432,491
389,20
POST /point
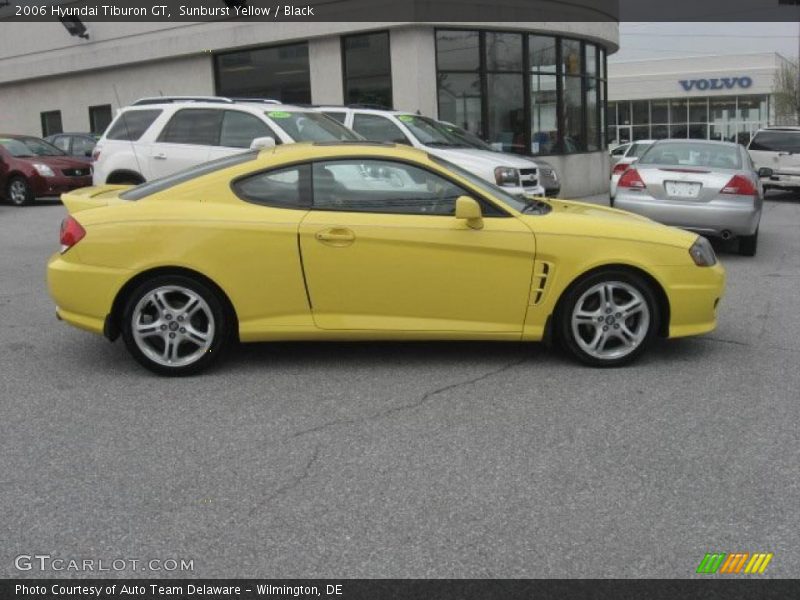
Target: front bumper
x,y
531,191
739,215
694,295
46,187
782,180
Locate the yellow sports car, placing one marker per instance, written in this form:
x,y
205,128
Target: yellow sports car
x,y
360,241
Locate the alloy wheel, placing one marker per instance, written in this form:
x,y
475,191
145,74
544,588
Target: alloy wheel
x,y
610,320
173,326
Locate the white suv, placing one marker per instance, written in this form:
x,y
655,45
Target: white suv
x,y
155,137
778,148
513,173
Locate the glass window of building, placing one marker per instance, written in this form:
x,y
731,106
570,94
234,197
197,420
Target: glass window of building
x,y
367,69
678,111
698,110
100,118
51,122
529,94
279,72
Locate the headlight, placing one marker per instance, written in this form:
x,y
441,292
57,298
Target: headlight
x,y
702,253
43,170
506,176
547,172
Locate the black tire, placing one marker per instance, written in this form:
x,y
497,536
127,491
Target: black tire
x,y
748,244
622,282
19,192
611,201
208,353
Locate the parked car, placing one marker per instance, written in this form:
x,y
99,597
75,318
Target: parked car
x,y
778,148
75,144
622,161
155,137
31,168
710,187
512,172
548,176
618,152
341,241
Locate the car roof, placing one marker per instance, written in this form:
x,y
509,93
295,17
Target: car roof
x,y
17,136
787,128
257,106
696,141
377,111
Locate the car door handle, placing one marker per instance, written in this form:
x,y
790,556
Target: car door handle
x,y
160,156
336,236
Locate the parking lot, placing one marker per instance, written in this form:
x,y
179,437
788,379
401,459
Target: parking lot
x,y
405,459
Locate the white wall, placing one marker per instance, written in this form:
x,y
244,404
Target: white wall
x,y
643,80
72,94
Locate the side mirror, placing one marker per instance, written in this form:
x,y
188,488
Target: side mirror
x,y
468,209
765,172
262,142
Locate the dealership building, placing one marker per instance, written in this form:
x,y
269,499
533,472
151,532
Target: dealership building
x,y
706,97
532,88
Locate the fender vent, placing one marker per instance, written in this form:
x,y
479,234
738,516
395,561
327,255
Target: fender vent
x,y
541,275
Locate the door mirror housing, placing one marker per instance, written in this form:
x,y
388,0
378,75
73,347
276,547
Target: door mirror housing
x,y
765,172
469,210
262,142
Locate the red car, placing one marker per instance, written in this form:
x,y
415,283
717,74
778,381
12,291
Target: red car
x,y
31,168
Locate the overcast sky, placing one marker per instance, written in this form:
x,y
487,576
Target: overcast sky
x,y
639,41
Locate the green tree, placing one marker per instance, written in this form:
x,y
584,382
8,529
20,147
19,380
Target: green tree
x,y
787,95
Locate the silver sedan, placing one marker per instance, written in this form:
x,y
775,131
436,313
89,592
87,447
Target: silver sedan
x,y
709,187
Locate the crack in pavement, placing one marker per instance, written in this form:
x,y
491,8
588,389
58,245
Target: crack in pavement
x,y
290,485
746,344
410,406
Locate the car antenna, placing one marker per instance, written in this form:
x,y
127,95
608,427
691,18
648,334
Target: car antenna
x,y
128,131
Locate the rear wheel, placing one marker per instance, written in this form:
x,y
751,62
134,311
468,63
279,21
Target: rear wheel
x,y
748,244
608,318
175,325
19,192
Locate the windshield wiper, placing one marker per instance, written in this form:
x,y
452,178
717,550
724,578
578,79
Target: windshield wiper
x,y
537,207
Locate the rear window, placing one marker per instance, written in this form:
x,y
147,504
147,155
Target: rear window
x,y
638,149
159,185
776,141
132,124
693,154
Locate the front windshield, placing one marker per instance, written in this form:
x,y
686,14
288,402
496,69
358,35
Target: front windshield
x,y
430,132
28,147
470,139
311,127
516,202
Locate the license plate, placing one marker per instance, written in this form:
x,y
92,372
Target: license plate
x,y
682,189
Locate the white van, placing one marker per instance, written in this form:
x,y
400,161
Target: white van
x,y
778,148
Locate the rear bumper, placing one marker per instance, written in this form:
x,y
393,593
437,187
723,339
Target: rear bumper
x,y
737,216
782,180
83,294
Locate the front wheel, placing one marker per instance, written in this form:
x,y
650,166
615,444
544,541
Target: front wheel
x,y
175,325
608,318
19,192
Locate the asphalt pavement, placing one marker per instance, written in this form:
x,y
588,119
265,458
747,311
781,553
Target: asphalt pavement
x,y
420,460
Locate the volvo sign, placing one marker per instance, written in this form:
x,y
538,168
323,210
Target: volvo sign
x,y
721,83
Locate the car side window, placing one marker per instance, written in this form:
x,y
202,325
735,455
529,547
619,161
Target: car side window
x,y
198,126
239,129
132,124
339,116
378,129
62,142
82,146
282,188
380,186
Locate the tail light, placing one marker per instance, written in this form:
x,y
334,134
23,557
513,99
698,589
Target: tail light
x,y
740,186
71,233
619,168
631,179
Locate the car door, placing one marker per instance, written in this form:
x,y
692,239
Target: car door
x,y
238,131
383,251
185,141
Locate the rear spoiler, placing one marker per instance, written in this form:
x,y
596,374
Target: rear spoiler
x,y
92,197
